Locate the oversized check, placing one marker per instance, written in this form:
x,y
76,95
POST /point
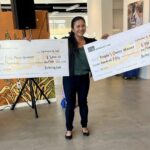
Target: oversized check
x,y
36,58
119,53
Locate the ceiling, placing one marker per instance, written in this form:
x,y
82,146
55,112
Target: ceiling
x,y
67,7
70,6
49,1
61,5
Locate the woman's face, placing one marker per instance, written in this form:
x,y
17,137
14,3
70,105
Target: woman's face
x,y
79,28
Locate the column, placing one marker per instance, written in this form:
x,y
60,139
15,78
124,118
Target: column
x,y
100,16
145,71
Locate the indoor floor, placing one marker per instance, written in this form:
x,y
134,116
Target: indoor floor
x,y
119,119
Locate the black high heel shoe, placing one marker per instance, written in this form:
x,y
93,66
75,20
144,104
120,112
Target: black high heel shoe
x,y
68,137
87,133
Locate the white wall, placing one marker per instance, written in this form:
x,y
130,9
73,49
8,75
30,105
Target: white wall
x,y
117,16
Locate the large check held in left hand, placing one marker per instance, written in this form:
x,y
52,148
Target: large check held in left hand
x,y
38,58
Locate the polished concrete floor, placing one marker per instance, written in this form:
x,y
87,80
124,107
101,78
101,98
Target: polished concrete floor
x,y
119,119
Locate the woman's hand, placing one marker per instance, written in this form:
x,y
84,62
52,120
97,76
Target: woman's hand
x,y
105,36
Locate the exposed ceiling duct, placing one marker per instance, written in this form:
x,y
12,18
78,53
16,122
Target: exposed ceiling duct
x,y
50,1
62,7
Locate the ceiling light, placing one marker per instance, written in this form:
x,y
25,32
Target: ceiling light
x,y
54,12
72,7
59,7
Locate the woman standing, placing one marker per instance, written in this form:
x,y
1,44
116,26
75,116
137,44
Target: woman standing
x,y
78,81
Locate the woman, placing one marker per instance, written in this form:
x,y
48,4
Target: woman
x,y
78,81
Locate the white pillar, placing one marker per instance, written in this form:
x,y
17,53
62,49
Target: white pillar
x,y
99,17
145,71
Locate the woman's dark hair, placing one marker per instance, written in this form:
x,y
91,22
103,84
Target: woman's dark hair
x,y
76,19
71,34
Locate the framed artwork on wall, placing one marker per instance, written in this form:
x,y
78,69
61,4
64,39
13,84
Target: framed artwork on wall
x,y
135,14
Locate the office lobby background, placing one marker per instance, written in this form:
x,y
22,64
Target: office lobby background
x,y
119,114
